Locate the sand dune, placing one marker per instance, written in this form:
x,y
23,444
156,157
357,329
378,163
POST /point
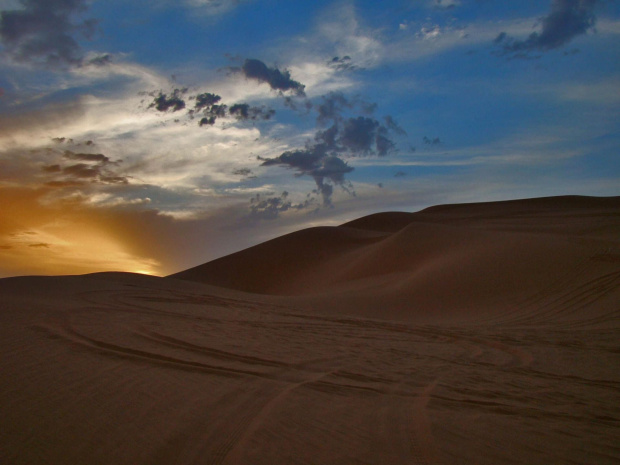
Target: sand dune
x,y
456,262
462,334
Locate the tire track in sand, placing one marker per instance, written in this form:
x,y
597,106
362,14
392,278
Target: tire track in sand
x,y
238,444
406,428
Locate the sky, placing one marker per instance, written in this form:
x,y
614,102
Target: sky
x,y
155,135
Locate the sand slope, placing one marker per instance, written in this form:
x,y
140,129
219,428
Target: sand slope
x,y
454,262
465,334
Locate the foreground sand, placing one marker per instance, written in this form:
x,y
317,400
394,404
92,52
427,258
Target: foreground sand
x,y
472,334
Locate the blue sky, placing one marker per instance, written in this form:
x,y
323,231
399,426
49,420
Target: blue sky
x,y
312,113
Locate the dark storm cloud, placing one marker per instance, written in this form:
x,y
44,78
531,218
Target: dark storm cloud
x,y
44,31
342,64
163,102
101,60
332,107
206,100
326,170
305,161
207,107
394,126
243,111
356,136
332,168
269,208
212,113
217,111
382,141
335,104
433,141
302,107
64,184
322,159
94,157
82,170
114,179
40,245
62,140
566,20
52,169
314,162
246,172
277,80
92,167
359,134
207,121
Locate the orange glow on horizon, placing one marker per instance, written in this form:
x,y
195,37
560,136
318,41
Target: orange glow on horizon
x,y
63,240
66,251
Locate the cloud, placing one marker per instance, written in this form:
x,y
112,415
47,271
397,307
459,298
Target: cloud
x,y
566,20
206,100
382,141
93,168
44,32
94,157
207,104
347,36
213,7
326,170
335,104
358,134
394,126
318,77
342,132
164,102
446,4
243,111
342,64
276,79
433,141
332,107
322,159
269,208
245,172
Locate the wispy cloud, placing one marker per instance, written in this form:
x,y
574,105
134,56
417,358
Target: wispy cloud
x,y
214,7
340,32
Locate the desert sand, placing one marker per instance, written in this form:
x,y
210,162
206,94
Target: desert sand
x,y
481,333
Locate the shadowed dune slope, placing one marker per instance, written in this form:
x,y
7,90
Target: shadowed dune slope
x,y
264,268
445,260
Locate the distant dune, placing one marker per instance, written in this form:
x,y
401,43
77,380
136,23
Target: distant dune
x,y
449,261
483,333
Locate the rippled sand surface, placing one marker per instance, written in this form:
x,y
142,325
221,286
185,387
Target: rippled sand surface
x,y
479,334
